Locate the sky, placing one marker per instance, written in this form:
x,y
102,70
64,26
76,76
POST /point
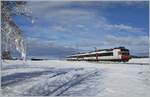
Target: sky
x,y
62,28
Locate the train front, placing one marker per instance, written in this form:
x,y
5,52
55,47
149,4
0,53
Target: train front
x,y
123,54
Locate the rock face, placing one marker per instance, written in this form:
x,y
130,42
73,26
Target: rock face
x,y
6,55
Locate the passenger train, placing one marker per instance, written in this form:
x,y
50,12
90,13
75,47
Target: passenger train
x,y
113,54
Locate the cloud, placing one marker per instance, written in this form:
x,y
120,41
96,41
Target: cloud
x,y
62,14
59,28
38,47
138,45
67,24
123,27
129,40
85,3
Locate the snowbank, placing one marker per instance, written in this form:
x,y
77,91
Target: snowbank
x,y
140,60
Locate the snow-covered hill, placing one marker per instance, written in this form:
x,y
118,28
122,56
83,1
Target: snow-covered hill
x,y
74,78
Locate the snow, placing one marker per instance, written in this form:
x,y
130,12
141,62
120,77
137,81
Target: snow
x,y
76,78
139,60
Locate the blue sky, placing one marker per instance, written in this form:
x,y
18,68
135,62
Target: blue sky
x,y
63,28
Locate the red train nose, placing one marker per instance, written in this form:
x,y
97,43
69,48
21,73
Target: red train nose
x,y
125,58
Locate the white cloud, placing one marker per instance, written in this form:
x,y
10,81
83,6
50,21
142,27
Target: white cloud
x,y
123,27
33,41
131,40
86,28
136,44
40,47
59,28
71,17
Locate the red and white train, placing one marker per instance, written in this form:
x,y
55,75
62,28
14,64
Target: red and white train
x,y
114,54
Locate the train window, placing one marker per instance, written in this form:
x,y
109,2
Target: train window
x,y
93,55
90,55
125,53
106,54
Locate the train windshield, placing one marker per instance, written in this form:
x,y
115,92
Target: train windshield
x,y
124,52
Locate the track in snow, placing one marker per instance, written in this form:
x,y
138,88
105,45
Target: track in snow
x,y
57,85
78,78
51,81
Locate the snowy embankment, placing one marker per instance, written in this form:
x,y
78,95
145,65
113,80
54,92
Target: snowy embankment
x,y
73,78
140,60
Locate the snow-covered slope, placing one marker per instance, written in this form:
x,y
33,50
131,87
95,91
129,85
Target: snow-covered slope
x,y
140,60
73,78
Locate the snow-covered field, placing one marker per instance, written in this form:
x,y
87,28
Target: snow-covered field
x,y
73,78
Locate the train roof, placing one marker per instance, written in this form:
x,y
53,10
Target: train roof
x,y
97,52
123,48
